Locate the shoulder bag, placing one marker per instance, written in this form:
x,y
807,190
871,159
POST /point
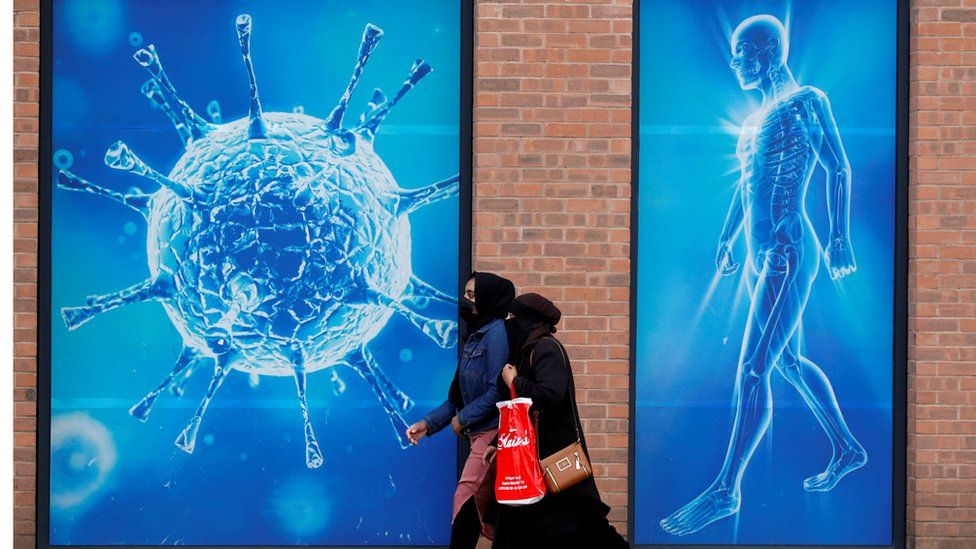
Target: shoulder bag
x,y
569,466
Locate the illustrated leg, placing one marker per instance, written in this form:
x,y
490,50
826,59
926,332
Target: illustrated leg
x,y
752,407
776,286
847,454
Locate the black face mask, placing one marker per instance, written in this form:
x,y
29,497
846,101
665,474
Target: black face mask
x,y
466,310
472,321
518,331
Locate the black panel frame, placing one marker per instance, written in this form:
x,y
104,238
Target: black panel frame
x,y
42,495
900,297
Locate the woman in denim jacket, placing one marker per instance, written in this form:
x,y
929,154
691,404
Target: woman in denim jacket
x,y
470,407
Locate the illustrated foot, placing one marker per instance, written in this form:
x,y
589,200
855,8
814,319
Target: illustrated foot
x,y
849,460
712,505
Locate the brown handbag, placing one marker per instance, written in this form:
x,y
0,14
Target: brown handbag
x,y
569,466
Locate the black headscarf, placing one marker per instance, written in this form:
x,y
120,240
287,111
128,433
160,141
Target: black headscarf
x,y
493,295
533,317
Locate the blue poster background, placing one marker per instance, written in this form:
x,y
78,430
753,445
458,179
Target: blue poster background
x,y
246,483
688,337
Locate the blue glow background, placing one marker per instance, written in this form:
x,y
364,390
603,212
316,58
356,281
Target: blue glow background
x,y
688,346
247,483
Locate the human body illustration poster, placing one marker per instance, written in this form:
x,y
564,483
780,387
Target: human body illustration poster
x,y
765,281
254,261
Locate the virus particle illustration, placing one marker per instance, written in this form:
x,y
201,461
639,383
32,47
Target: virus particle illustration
x,y
279,243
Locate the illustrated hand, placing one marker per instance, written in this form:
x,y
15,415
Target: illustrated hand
x,y
456,425
416,432
508,374
724,261
839,258
489,456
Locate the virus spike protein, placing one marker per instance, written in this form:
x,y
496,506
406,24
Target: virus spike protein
x,y
364,364
155,95
143,408
400,400
441,332
374,103
313,455
188,437
256,129
422,293
371,37
178,385
418,71
412,199
120,157
148,58
70,181
147,290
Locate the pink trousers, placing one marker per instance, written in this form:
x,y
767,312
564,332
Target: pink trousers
x,y
477,480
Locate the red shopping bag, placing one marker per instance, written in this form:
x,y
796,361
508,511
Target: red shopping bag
x,y
518,477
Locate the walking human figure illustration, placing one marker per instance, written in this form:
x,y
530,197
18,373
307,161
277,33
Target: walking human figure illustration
x,y
780,145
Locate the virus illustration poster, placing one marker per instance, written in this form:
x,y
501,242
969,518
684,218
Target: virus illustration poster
x,y
764,327
254,262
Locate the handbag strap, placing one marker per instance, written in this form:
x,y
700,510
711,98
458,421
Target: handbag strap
x,y
570,390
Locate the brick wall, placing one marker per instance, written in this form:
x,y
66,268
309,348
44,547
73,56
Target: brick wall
x,y
942,280
552,190
26,62
552,206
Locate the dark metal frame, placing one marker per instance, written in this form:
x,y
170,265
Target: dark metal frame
x,y
43,494
900,298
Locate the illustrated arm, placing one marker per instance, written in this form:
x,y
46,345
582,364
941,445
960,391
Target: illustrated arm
x,y
734,217
724,261
839,254
496,351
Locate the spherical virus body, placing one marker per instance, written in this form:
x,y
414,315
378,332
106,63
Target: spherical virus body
x,y
279,244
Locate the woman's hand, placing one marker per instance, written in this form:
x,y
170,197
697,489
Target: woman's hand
x,y
508,374
456,425
416,432
489,456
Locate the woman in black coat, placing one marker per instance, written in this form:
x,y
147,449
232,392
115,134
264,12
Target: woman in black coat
x,y
575,517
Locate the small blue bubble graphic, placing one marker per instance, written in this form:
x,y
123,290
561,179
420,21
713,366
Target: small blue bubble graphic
x,y
135,39
63,159
406,355
129,228
208,440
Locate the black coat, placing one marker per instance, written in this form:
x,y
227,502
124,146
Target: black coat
x,y
545,376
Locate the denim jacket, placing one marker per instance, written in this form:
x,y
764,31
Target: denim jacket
x,y
482,359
